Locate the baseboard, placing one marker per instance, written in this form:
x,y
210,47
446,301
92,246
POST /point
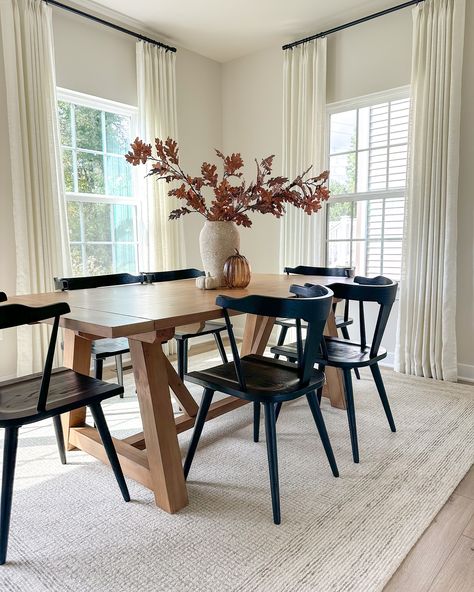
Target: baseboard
x,y
466,372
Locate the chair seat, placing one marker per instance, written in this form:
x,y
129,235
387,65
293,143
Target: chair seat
x,y
105,348
341,353
266,379
68,390
340,322
208,328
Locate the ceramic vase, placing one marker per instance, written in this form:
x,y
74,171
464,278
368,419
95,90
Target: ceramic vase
x,y
217,242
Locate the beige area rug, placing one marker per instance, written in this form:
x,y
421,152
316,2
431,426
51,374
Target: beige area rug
x,y
71,532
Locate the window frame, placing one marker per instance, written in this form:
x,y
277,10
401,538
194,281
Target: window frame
x,y
356,103
107,105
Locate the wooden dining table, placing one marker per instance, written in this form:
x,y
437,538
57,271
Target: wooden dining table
x,y
147,314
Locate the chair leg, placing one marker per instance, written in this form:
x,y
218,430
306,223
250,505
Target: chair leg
x,y
319,392
200,420
98,368
383,395
281,339
345,334
182,357
256,421
119,369
319,421
220,347
106,438
270,433
58,429
277,410
9,459
351,413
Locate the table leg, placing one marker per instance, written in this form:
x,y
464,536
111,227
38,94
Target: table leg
x,y
256,334
150,369
334,387
77,356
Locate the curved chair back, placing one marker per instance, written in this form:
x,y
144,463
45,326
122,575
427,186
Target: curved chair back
x,y
326,271
96,281
169,276
381,290
3,297
15,315
314,311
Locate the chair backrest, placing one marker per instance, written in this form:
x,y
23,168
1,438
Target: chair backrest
x,y
326,271
313,310
168,276
15,315
3,297
381,290
96,281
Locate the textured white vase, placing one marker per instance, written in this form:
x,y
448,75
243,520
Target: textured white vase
x,y
218,241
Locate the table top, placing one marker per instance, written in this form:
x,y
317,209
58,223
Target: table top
x,y
121,311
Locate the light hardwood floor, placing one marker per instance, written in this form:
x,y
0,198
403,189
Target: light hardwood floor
x,y
443,558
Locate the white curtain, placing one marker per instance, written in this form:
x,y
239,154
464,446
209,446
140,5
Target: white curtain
x,y
156,79
426,340
42,247
304,144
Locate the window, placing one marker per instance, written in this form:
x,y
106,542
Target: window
x,y
368,141
101,205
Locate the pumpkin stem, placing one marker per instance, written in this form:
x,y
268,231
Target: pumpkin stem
x,y
236,251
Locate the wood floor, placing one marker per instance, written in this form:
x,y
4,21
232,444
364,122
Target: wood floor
x,y
443,558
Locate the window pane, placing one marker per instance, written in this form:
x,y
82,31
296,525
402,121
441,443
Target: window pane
x,y
117,133
339,254
359,222
374,258
392,257
124,223
339,220
90,173
98,259
97,222
119,176
378,169
364,129
342,174
74,220
397,166
125,258
363,171
68,170
359,254
374,218
64,114
379,125
343,131
88,128
76,260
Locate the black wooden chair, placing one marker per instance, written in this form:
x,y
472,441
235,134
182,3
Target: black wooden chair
x,y
3,296
106,348
36,397
265,380
182,336
348,355
342,321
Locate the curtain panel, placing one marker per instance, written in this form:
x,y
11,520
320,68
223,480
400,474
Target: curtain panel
x,y
304,145
156,78
40,222
426,338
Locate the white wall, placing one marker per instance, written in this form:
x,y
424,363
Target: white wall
x,y
371,57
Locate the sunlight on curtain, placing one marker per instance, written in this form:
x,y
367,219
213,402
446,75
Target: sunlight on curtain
x,y
41,241
304,144
426,340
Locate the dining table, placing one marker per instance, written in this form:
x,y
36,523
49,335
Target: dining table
x,y
148,314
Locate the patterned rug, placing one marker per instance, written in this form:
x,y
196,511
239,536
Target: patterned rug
x,y
71,531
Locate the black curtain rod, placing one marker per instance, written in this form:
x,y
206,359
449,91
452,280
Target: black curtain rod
x,y
107,24
352,23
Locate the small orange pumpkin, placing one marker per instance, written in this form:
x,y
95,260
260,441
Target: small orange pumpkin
x,y
237,271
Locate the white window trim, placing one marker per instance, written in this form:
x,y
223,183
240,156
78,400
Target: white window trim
x,y
102,104
394,94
